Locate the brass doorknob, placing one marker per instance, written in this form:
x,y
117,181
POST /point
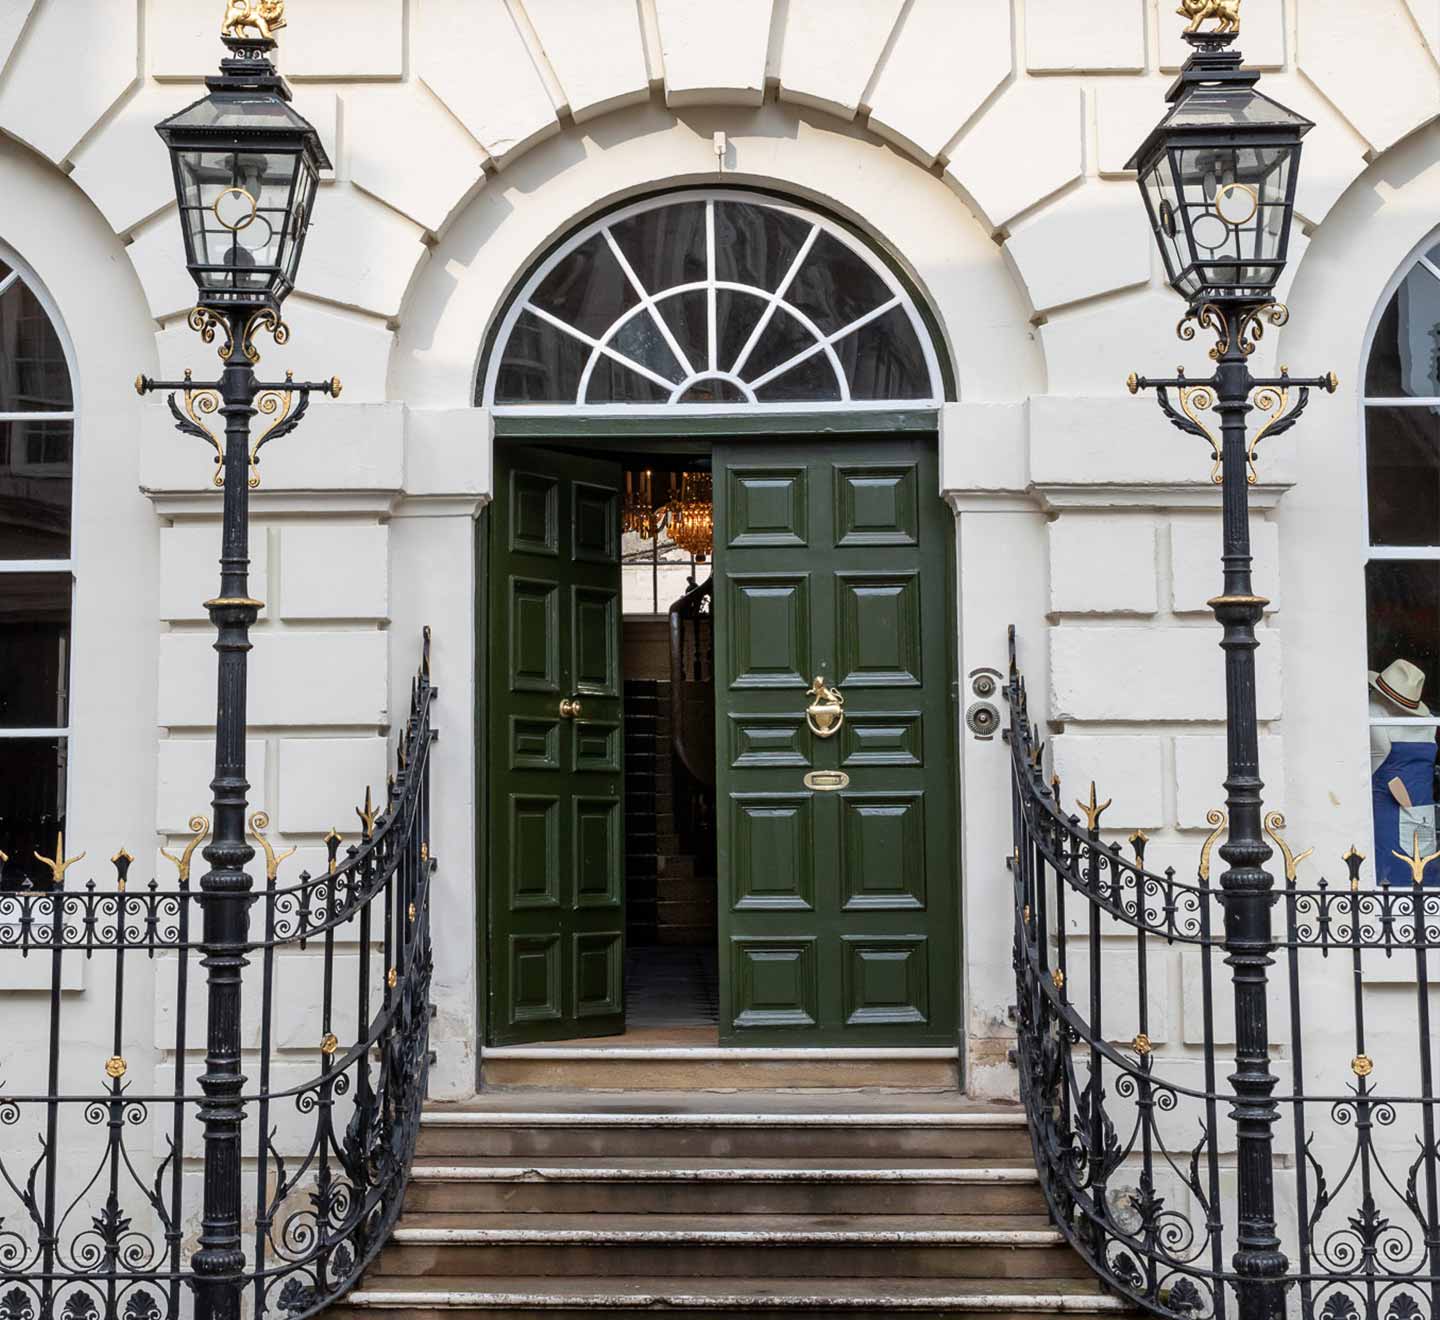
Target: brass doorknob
x,y
570,708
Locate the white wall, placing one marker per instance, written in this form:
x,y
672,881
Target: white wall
x,y
984,142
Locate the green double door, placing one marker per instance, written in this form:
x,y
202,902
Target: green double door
x,y
838,871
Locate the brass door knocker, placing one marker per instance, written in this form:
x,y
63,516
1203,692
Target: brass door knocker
x,y
826,713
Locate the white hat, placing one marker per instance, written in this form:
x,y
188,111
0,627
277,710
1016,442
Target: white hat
x,y
1401,683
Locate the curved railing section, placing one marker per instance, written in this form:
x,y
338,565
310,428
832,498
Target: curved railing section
x,y
1125,1031
100,1180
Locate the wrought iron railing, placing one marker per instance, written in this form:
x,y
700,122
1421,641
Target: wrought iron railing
x,y
1125,1014
101,1180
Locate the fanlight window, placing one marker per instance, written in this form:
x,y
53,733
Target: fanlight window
x,y
714,299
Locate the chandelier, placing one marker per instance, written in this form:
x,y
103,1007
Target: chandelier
x,y
692,518
641,513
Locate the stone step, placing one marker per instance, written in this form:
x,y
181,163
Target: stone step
x,y
759,1246
689,1126
612,1067
724,1188
769,1299
676,867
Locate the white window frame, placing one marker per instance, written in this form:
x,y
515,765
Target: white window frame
x,y
21,273
899,297
1413,553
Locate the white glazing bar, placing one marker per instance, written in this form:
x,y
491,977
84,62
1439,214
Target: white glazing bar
x,y
8,280
37,416
710,331
35,565
1405,401
774,298
659,410
648,303
1422,553
1430,266
34,733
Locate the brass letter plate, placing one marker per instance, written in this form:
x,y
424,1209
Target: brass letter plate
x,y
826,781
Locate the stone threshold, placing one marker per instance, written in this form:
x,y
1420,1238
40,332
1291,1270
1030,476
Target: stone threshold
x,y
539,1173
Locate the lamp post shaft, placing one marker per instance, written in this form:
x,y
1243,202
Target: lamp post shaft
x,y
1246,885
225,888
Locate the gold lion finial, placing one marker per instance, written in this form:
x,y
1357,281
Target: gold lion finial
x,y
1225,13
252,20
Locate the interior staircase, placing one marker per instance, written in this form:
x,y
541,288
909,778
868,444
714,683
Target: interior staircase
x,y
757,1203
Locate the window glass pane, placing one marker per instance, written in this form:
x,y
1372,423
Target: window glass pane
x,y
611,382
640,340
811,380
1403,600
34,650
836,286
33,374
712,389
35,489
1403,467
666,246
587,289
756,244
736,315
1405,360
782,338
542,364
884,360
688,316
32,807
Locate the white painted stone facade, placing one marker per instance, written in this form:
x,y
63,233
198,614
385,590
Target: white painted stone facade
x,y
983,143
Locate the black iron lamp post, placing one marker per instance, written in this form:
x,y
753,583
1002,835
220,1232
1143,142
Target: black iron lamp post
x,y
247,168
1218,176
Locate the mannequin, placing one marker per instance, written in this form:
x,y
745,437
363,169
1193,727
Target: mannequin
x,y
1402,771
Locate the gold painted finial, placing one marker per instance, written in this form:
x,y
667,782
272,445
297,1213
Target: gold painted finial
x,y
1415,861
59,864
199,828
1092,809
368,814
1225,13
1274,823
252,20
260,822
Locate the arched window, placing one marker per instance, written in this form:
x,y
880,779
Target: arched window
x,y
706,299
1402,572
36,435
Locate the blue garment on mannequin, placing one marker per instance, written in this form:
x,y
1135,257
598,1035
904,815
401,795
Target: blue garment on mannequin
x,y
1414,764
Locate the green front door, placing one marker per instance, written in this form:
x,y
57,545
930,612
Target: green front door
x,y
837,859
556,888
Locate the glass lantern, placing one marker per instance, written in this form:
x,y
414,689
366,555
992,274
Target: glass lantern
x,y
1218,177
246,171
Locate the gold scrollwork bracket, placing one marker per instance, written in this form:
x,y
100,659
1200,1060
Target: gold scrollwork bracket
x,y
259,823
1273,398
1195,397
199,828
206,323
266,319
1274,823
1217,820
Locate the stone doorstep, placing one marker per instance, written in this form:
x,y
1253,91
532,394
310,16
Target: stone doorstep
x,y
870,1296
603,1236
559,1118
682,1172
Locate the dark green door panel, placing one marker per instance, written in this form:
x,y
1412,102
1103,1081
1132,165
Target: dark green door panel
x,y
556,891
839,908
